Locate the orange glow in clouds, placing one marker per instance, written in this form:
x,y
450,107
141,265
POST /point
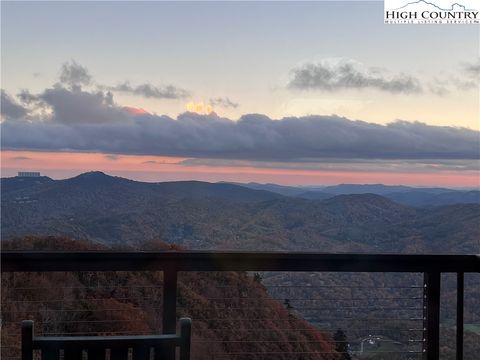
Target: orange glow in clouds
x,y
199,107
135,111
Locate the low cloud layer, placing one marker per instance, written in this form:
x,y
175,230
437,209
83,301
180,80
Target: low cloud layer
x,y
112,157
82,121
348,74
347,165
11,109
70,106
21,158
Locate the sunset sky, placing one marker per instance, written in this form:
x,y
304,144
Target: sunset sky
x,y
308,93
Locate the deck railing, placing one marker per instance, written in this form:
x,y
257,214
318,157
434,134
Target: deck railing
x,y
171,263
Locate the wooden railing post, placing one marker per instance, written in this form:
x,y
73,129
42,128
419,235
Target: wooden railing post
x,y
185,334
169,300
27,340
431,347
460,290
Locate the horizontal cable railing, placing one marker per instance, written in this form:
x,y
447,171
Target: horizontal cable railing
x,y
316,308
273,305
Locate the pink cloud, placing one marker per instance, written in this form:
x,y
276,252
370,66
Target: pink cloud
x,y
163,168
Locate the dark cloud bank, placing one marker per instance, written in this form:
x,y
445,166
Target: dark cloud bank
x,y
68,117
84,121
10,108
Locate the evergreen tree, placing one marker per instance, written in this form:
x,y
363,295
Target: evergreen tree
x,y
257,277
341,344
287,304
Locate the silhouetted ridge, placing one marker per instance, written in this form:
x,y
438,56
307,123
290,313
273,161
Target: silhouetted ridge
x,y
227,191
21,183
363,189
96,177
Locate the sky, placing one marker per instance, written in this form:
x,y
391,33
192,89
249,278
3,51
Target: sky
x,y
304,93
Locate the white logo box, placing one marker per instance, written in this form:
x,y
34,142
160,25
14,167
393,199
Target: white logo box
x,y
444,12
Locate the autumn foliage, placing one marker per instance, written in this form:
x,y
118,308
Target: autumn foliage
x,y
233,316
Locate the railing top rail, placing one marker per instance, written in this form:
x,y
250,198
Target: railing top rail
x,y
30,261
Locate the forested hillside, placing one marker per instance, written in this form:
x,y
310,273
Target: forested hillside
x,y
105,212
116,211
106,303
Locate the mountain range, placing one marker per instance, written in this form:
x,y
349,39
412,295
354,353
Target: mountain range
x,y
200,215
418,197
113,212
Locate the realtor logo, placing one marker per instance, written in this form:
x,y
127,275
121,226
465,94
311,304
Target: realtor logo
x,y
445,12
